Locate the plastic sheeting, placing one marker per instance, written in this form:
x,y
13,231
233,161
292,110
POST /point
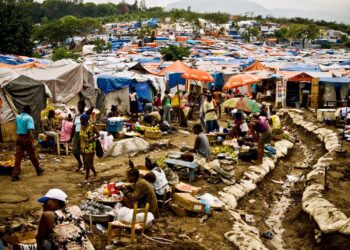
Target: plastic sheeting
x,y
127,146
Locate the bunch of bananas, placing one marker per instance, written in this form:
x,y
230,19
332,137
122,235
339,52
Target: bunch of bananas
x,y
222,150
161,163
152,129
8,163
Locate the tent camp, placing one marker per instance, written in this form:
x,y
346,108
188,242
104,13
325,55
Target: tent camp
x,y
16,91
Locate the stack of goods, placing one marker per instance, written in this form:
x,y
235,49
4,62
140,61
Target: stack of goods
x,y
224,152
107,193
6,167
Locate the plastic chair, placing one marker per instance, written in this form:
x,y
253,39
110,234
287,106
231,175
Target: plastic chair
x,y
134,226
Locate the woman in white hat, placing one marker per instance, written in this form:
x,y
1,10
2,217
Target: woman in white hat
x,y
61,227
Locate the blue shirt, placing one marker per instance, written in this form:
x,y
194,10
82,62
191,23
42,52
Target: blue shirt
x,y
24,123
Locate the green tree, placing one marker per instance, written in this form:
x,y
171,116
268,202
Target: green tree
x,y
99,45
344,38
15,29
281,34
173,52
63,53
303,32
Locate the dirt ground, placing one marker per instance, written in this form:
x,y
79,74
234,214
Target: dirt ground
x,y
20,211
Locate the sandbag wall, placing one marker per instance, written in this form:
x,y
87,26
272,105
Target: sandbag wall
x,y
243,235
329,218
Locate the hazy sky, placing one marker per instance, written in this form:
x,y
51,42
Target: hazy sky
x,y
325,5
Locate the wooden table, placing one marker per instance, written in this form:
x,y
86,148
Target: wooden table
x,y
192,166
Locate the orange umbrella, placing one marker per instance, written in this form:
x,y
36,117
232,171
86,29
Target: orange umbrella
x,y
240,80
198,75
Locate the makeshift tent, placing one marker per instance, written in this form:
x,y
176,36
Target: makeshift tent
x,y
64,78
17,91
256,66
336,88
112,84
176,67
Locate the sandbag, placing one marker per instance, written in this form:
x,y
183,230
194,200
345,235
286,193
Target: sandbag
x,y
237,190
228,199
248,185
252,176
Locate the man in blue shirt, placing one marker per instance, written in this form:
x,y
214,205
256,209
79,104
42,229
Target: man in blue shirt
x,y
25,142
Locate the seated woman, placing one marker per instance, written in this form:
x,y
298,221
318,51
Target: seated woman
x,y
50,125
66,129
141,192
201,145
156,177
114,112
61,227
153,118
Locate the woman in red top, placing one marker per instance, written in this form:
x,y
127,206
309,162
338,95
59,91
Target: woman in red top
x,y
158,102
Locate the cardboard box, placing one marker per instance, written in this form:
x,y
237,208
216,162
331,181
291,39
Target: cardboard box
x,y
179,211
183,187
187,201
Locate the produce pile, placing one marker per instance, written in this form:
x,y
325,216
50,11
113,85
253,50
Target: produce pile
x,y
8,163
107,193
226,150
161,163
153,129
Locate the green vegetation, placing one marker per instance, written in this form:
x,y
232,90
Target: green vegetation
x,y
55,32
57,20
15,29
101,46
173,52
63,53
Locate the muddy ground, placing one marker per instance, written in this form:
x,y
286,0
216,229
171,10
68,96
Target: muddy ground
x,y
292,229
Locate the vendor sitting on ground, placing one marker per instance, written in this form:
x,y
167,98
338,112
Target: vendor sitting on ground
x,y
156,177
61,227
141,192
153,118
262,134
240,128
201,145
114,111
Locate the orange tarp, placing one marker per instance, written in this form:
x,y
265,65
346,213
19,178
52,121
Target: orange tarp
x,y
181,39
198,75
24,65
240,80
177,67
151,44
256,66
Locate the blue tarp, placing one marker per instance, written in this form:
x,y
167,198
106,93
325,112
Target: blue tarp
x,y
301,67
335,80
162,38
147,49
175,78
153,22
193,42
345,63
148,60
219,79
109,83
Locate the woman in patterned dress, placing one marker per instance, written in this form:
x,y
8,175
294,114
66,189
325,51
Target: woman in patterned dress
x,y
61,227
88,135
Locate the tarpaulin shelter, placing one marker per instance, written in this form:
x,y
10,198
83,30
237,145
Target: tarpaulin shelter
x,y
116,88
176,67
64,78
17,91
256,66
24,65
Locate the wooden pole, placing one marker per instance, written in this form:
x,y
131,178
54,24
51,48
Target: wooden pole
x,y
179,100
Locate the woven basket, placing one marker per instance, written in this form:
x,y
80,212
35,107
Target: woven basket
x,y
153,135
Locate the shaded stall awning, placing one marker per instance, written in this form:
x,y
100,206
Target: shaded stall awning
x,y
240,80
335,80
198,75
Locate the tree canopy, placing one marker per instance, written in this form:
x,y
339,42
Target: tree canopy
x,y
173,52
15,29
